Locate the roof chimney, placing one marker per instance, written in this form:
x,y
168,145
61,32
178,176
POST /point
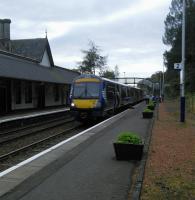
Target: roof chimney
x,y
5,29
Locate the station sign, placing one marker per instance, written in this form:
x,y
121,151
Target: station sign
x,y
178,66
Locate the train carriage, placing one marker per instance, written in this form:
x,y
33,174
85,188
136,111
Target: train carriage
x,y
92,96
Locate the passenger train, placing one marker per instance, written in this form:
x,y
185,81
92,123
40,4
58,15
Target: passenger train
x,y
93,97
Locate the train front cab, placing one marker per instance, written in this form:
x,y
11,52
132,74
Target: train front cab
x,y
86,98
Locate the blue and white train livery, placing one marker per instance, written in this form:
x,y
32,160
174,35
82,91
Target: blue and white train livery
x,y
92,96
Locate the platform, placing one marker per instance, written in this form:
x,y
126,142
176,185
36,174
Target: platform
x,y
31,114
83,167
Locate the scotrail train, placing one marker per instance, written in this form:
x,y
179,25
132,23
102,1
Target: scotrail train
x,y
94,97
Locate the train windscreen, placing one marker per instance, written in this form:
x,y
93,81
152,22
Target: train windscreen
x,y
86,90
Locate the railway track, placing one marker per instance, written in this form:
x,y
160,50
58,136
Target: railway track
x,y
12,153
19,144
32,129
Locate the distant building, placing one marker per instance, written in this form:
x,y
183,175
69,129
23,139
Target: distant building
x,y
28,77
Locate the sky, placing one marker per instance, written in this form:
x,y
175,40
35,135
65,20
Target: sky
x,y
128,32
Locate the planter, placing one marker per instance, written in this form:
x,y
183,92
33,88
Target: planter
x,y
147,114
128,151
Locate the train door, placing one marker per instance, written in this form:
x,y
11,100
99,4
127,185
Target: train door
x,y
110,94
117,97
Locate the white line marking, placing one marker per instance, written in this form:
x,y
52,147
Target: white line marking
x,y
3,173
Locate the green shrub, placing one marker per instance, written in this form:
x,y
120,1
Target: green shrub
x,y
151,103
154,102
151,106
147,110
129,138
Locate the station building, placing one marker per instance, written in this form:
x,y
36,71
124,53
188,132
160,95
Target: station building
x,y
28,77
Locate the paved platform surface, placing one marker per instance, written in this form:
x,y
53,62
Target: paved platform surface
x,y
89,171
30,114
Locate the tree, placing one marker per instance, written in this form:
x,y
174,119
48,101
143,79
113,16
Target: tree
x,y
173,23
92,60
146,85
109,74
172,37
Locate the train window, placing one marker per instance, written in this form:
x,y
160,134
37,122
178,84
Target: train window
x,y
128,92
110,90
110,95
123,94
86,90
79,90
92,90
132,92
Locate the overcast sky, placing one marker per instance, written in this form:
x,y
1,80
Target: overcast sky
x,y
129,32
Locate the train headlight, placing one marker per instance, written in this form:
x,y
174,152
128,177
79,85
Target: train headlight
x,y
72,104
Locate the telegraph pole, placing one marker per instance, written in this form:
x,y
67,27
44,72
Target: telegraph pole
x,y
182,72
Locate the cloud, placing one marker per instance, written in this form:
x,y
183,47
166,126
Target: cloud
x,y
57,28
61,59
129,32
136,9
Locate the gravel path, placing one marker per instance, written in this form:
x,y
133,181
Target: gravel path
x,y
169,172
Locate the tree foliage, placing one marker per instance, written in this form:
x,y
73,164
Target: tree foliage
x,y
172,37
173,23
92,60
109,74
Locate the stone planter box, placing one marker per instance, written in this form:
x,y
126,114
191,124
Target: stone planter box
x,y
128,151
147,114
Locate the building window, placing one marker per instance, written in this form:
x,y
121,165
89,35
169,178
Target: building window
x,y
28,92
17,90
56,93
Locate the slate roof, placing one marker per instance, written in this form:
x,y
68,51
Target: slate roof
x,y
31,48
18,68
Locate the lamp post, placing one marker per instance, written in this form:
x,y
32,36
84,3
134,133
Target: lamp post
x,y
160,85
182,72
163,83
125,79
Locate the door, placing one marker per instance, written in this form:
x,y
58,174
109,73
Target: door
x,y
3,100
41,96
